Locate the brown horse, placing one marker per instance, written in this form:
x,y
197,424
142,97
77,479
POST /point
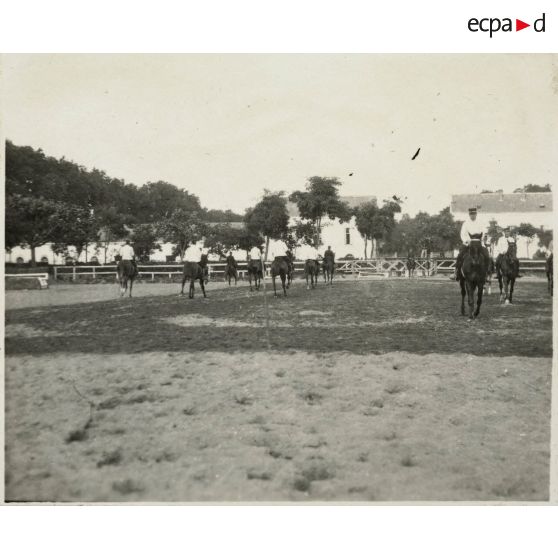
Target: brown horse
x,y
231,273
193,272
311,270
549,269
329,269
280,267
255,272
472,277
126,271
506,271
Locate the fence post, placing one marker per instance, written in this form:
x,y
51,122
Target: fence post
x,y
74,273
93,272
55,273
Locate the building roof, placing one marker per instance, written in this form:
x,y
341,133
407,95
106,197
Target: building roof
x,y
498,202
352,201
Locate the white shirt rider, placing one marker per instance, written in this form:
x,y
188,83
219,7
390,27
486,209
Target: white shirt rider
x,y
279,249
127,252
255,253
193,254
470,228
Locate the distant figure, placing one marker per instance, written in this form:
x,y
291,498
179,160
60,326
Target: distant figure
x,y
127,254
329,266
126,269
231,271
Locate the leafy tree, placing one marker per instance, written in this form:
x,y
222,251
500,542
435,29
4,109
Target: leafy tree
x,y
376,223
222,238
526,230
112,227
321,199
160,199
182,228
247,239
30,222
144,241
530,188
269,217
73,226
220,216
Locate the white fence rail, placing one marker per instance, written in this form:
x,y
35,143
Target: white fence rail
x,y
386,267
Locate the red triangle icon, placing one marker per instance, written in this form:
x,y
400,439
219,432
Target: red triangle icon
x,y
519,25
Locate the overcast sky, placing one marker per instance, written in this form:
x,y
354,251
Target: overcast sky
x,y
226,127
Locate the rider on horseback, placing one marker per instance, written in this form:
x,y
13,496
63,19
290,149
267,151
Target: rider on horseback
x,y
471,229
127,254
193,254
506,245
231,262
329,255
279,251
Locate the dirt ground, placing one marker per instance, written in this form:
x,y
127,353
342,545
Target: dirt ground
x,y
367,391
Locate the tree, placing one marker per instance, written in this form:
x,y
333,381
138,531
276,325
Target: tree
x,y
144,241
220,216
30,222
222,238
530,188
73,226
376,223
269,217
112,226
248,239
526,230
321,199
182,228
160,199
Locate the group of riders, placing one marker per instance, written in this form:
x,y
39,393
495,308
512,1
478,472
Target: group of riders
x,y
473,234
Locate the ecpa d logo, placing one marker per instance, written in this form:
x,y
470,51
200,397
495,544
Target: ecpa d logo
x,y
492,25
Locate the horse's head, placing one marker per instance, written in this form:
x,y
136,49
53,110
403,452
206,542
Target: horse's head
x,y
512,250
475,251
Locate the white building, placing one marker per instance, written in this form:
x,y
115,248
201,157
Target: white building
x,y
344,238
509,210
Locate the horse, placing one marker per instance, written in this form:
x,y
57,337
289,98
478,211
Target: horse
x,y
194,272
473,276
489,274
204,264
549,269
231,273
411,265
280,267
255,272
311,270
329,270
126,271
506,271
290,272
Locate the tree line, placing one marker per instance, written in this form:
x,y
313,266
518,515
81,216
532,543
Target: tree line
x,y
56,201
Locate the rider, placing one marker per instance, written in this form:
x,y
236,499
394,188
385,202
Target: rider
x,y
329,255
471,228
127,255
231,261
279,251
255,254
193,254
313,254
503,245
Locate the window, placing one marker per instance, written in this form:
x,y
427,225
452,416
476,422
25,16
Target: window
x,y
347,236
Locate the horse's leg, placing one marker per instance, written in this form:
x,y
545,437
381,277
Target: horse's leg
x,y
131,285
274,288
500,284
479,299
506,290
202,287
183,283
283,283
512,283
191,291
470,298
463,293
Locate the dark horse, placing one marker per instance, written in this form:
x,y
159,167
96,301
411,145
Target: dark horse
x,y
506,271
193,272
311,270
290,272
280,266
126,271
411,266
473,276
255,272
549,269
231,273
329,269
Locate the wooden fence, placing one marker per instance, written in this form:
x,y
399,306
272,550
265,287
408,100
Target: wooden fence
x,y
380,267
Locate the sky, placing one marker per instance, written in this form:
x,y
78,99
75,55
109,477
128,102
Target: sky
x,y
224,127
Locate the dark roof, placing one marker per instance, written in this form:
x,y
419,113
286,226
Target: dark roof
x,y
352,201
498,202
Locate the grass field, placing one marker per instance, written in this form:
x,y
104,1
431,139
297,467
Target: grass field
x,y
372,390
